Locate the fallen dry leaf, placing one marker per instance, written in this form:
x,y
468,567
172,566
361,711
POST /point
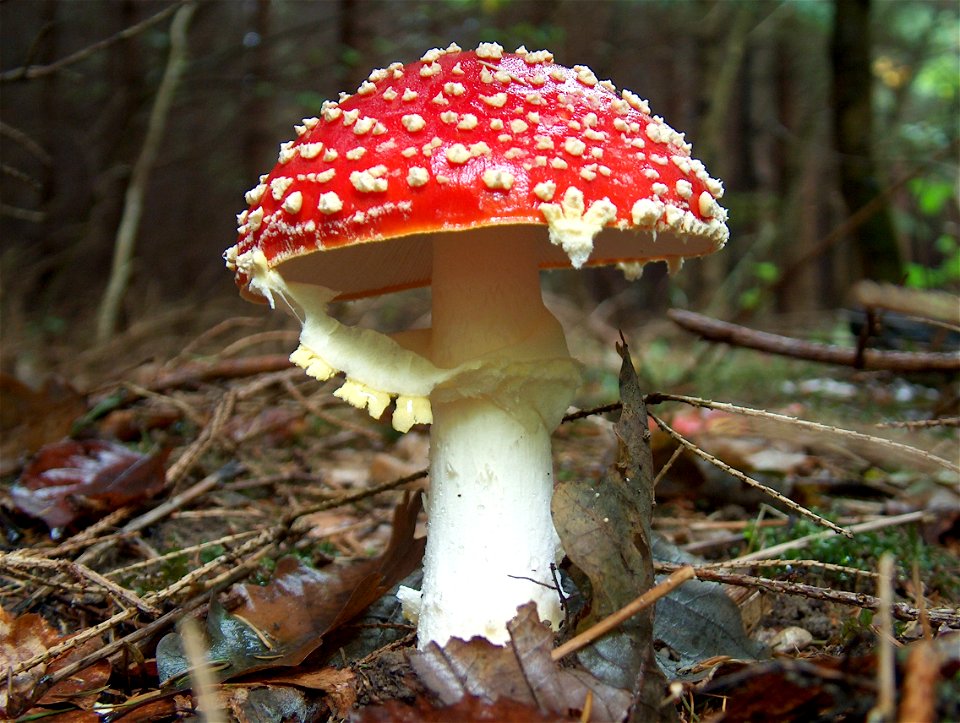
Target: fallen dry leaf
x,y
605,530
30,418
72,479
521,671
468,708
284,621
26,636
301,605
793,691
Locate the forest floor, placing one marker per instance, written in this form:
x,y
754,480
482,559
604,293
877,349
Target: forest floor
x,y
191,525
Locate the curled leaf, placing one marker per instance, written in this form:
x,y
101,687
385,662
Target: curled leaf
x,y
281,623
605,530
521,671
24,637
72,479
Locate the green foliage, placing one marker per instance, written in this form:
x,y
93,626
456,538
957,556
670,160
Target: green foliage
x,y
656,365
863,552
328,548
171,570
818,13
945,274
931,194
917,102
211,553
852,627
932,197
264,572
764,274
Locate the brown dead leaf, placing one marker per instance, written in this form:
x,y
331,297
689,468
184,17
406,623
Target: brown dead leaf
x,y
21,638
522,672
279,624
793,691
468,708
302,605
30,419
26,636
605,530
339,686
253,704
71,479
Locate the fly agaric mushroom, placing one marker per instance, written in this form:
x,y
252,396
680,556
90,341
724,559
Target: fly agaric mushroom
x,y
443,172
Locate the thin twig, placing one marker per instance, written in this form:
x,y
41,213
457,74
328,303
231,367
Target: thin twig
x,y
150,630
185,551
90,534
174,503
583,413
30,72
884,710
906,450
150,598
666,468
209,334
901,611
265,540
921,423
98,547
746,479
204,440
286,336
187,410
722,331
126,237
613,620
20,575
352,427
826,566
83,572
22,214
26,142
302,512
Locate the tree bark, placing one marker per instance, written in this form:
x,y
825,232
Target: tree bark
x,y
257,141
874,241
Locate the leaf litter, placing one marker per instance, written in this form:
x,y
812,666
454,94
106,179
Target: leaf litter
x,y
281,623
70,480
513,683
605,529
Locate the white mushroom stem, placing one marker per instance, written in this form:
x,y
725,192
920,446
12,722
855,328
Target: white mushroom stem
x,y
495,377
491,540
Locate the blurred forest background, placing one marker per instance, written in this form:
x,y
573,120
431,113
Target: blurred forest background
x,y
833,123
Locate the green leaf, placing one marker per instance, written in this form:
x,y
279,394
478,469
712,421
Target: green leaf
x,y
766,271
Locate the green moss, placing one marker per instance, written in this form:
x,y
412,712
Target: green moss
x,y
938,569
208,554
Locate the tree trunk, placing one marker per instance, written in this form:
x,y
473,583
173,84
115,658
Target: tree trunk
x,y
874,242
257,140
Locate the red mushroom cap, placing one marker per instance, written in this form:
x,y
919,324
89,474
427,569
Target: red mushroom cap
x,y
461,140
